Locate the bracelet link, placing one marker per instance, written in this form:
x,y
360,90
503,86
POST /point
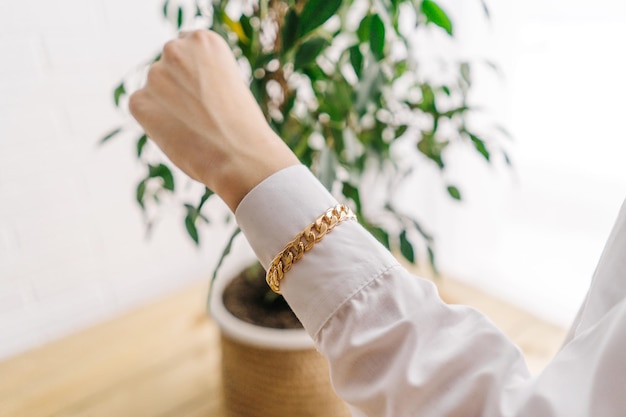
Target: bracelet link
x,y
304,242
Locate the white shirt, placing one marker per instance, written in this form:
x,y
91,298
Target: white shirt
x,y
396,349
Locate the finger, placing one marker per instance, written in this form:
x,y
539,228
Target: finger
x,y
136,105
145,110
155,73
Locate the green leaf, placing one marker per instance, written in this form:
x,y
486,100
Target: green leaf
x,y
369,88
163,172
356,59
179,18
427,236
141,142
428,104
452,112
342,95
207,194
503,130
480,146
110,135
485,9
464,69
406,248
436,15
308,51
247,28
432,148
166,4
120,90
336,99
316,12
257,88
401,130
191,211
493,66
400,68
432,259
507,159
192,230
363,32
327,168
454,192
288,104
352,193
315,73
377,37
140,193
291,30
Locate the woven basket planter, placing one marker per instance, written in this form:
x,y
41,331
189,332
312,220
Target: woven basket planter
x,y
271,372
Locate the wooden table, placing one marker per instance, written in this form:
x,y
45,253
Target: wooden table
x,y
163,360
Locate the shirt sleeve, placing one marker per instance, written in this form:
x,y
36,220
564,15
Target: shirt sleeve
x,y
396,349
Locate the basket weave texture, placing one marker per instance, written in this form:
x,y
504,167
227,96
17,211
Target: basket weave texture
x,y
259,382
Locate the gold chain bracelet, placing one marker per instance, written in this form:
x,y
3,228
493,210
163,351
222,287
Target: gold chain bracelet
x,y
303,242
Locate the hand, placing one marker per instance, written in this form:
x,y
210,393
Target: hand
x,y
198,110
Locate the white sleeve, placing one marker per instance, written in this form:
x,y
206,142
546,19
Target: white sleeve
x,y
395,349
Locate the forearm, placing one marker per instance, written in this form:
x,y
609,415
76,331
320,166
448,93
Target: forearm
x,y
396,349
392,344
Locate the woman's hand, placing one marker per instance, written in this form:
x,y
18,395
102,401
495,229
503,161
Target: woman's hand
x,y
198,110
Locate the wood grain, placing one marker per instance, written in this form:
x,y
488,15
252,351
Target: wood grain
x,y
163,360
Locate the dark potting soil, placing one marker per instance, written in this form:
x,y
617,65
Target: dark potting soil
x,y
249,298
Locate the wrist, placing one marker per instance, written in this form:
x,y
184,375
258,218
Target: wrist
x,y
243,169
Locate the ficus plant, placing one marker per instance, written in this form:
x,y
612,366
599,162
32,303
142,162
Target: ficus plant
x,y
338,82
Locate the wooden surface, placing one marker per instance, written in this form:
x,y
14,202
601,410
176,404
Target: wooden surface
x,y
163,360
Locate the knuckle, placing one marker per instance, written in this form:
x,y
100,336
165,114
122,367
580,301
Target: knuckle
x,y
199,35
171,50
134,103
214,38
208,38
155,74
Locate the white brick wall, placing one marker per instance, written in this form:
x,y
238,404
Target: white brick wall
x,y
72,245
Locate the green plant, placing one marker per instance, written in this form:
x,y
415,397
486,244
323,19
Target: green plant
x,y
336,80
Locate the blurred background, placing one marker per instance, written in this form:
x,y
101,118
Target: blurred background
x,y
73,247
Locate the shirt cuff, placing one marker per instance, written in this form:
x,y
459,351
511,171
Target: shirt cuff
x,y
280,207
336,269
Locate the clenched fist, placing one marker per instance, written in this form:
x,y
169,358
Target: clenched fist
x,y
199,111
